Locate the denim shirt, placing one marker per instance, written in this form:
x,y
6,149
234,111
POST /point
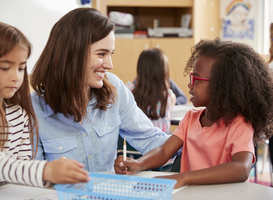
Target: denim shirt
x,y
94,142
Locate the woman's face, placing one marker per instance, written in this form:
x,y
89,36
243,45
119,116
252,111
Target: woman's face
x,y
12,69
100,60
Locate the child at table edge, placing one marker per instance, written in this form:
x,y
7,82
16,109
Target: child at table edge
x,y
235,86
19,120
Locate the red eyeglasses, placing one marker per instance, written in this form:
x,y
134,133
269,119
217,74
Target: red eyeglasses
x,y
192,79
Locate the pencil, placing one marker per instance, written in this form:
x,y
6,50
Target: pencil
x,y
124,150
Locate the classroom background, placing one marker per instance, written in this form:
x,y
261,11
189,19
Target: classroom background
x,y
246,21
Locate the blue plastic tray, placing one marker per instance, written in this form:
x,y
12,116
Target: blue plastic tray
x,y
117,187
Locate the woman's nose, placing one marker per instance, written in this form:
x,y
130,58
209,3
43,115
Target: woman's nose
x,y
108,63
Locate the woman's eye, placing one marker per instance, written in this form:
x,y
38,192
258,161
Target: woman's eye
x,y
101,54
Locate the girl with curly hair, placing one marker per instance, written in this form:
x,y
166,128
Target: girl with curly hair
x,y
235,86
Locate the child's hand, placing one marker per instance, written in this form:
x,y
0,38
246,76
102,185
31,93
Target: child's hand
x,y
65,171
130,166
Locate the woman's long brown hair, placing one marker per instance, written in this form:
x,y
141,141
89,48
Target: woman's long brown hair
x,y
59,76
10,37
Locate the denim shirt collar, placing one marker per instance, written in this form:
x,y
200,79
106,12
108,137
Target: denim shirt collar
x,y
47,110
93,100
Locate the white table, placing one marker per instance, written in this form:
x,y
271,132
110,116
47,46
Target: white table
x,y
179,112
233,191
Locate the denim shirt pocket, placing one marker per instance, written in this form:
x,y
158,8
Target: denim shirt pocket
x,y
107,126
54,149
108,131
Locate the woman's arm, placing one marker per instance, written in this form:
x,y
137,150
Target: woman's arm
x,y
236,171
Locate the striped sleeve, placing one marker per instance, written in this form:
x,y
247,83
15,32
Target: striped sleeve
x,y
28,172
25,146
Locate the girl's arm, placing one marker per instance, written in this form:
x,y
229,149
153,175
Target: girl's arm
x,y
24,150
35,172
236,171
153,159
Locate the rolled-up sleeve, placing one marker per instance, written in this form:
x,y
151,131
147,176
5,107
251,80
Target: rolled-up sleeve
x,y
136,127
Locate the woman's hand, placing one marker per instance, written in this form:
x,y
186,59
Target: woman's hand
x,y
65,171
128,167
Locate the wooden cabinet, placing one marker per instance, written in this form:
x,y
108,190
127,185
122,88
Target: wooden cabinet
x,y
125,57
205,24
178,52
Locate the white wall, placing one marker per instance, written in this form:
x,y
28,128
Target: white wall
x,y
35,19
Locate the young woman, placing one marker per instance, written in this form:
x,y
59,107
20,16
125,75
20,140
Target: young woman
x,y
81,108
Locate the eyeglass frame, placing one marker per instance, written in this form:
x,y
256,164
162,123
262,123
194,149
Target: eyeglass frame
x,y
192,79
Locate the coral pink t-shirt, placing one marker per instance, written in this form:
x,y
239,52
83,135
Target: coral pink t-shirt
x,y
205,147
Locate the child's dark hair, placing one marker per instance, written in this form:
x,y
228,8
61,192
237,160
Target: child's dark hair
x,y
152,82
241,83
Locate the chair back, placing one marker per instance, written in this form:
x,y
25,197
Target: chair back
x,y
176,164
131,151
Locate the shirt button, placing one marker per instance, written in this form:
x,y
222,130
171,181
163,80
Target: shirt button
x,y
84,134
60,148
90,157
109,127
88,111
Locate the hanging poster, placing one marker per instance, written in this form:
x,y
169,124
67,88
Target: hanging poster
x,y
238,19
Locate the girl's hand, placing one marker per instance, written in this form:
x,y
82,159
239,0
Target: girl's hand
x,y
128,167
65,171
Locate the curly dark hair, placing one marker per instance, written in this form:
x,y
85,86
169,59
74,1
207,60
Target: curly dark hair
x,y
241,83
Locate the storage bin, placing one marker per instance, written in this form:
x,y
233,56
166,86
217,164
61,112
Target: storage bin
x,y
104,186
